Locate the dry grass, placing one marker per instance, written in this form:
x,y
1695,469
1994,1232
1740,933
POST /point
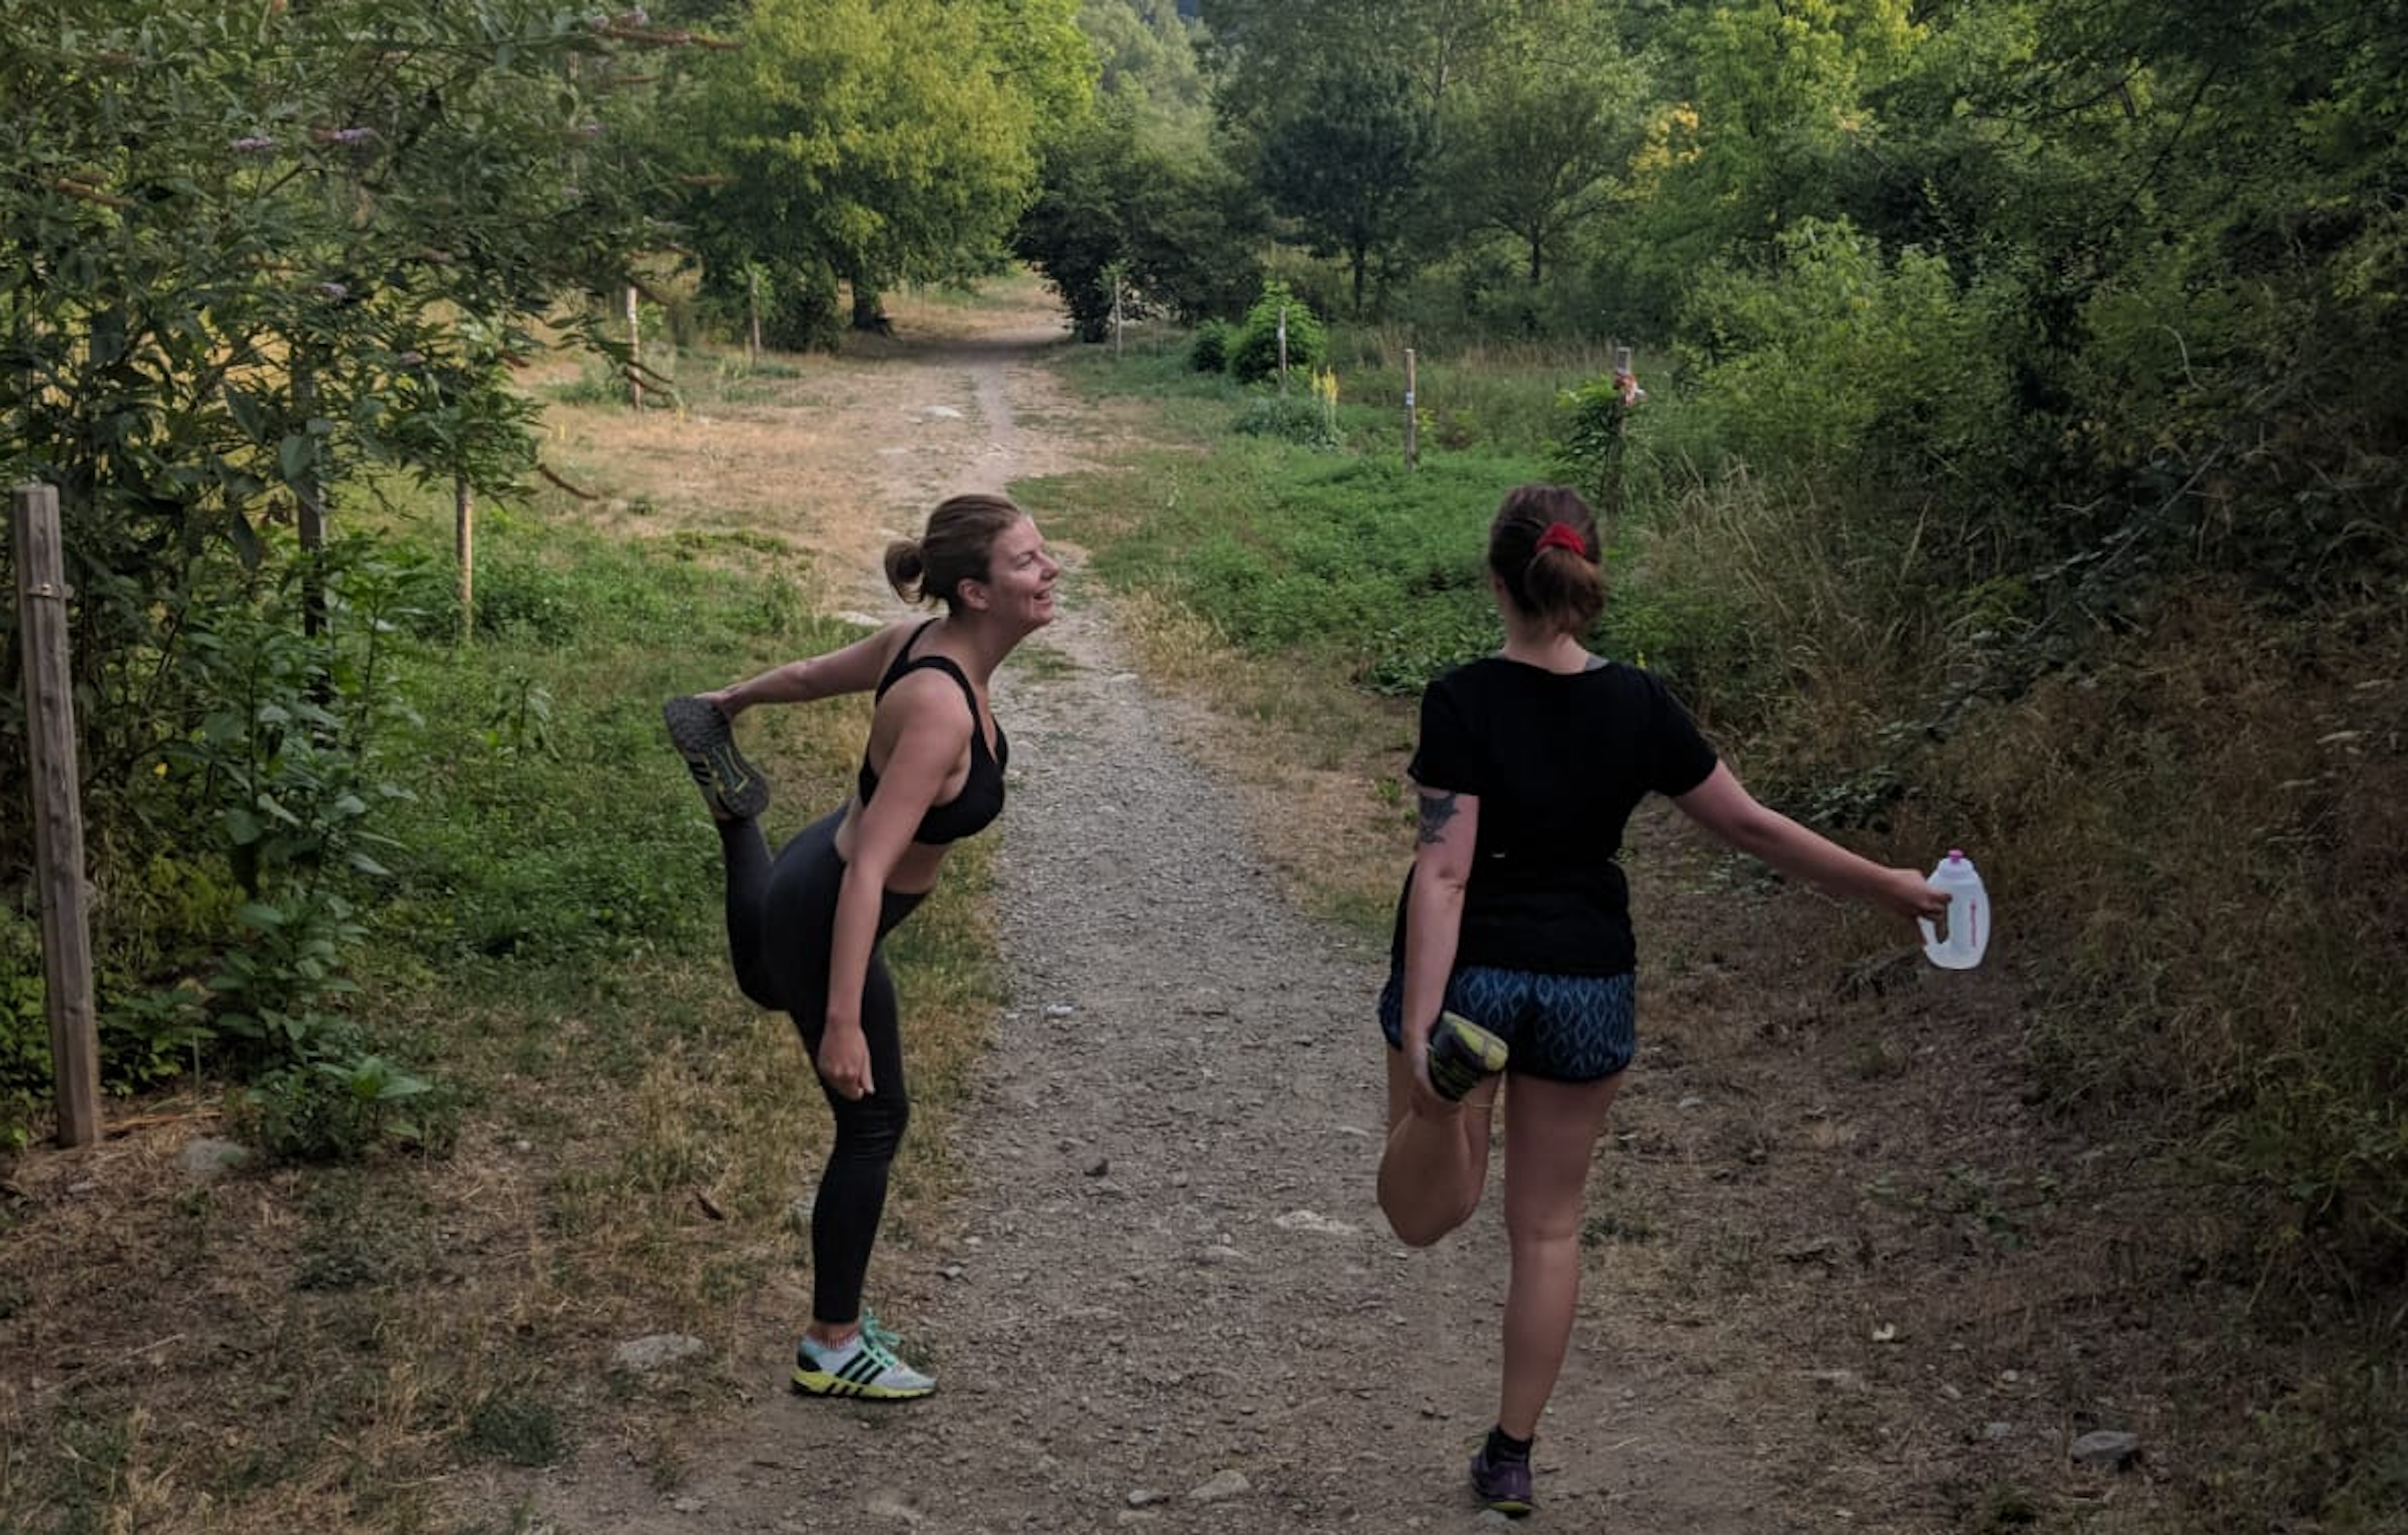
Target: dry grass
x,y
1868,1206
337,1350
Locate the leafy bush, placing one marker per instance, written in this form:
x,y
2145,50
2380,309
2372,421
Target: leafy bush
x,y
341,1109
1874,370
1304,422
1207,349
1254,352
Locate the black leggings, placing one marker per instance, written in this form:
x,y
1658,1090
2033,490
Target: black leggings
x,y
780,924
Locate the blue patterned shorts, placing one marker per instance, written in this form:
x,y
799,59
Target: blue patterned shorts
x,y
1562,1027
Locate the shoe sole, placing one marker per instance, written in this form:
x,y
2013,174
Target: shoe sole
x,y
1513,1508
1488,1052
819,1382
1466,1046
701,735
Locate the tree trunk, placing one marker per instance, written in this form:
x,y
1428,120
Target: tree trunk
x,y
868,313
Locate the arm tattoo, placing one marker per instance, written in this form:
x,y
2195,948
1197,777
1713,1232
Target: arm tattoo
x,y
1437,811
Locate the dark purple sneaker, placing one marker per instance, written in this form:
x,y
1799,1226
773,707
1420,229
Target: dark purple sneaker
x,y
1502,1485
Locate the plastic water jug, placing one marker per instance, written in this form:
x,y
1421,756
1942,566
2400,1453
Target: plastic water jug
x,y
1968,915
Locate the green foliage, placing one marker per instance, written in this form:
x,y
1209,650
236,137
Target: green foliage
x,y
1345,156
871,144
1254,352
1837,362
341,1109
1291,418
245,258
1588,456
1208,349
1169,221
1532,148
1356,562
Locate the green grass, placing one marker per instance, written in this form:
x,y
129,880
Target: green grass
x,y
547,947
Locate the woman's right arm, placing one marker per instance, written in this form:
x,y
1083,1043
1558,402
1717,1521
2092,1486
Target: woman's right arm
x,y
1448,830
855,669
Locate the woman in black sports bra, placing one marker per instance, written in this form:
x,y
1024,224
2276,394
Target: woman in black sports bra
x,y
804,928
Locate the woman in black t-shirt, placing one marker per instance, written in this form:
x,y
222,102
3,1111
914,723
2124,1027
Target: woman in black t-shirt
x,y
1514,957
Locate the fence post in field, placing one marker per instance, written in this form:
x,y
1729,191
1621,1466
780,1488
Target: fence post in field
x,y
635,353
463,550
58,812
310,503
1413,424
752,315
1625,385
1283,344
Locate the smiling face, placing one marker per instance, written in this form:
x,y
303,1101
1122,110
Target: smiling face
x,y
1019,576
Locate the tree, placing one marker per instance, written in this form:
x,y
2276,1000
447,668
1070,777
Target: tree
x,y
244,255
1158,209
1345,161
876,141
1533,145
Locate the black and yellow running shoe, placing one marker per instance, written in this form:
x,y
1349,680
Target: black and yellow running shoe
x,y
732,787
1462,1055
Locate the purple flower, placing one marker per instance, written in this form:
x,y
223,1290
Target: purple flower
x,y
410,359
589,130
351,136
334,291
251,144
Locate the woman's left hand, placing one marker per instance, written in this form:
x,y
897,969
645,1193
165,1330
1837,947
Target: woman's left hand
x,y
844,1061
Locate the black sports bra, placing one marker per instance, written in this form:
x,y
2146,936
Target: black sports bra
x,y
981,798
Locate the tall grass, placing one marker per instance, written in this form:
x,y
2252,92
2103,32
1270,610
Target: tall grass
x,y
320,1348
2191,824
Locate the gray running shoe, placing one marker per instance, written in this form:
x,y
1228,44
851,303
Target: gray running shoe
x,y
867,1367
732,787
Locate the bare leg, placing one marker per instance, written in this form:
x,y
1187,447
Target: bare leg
x,y
1435,1164
1549,1137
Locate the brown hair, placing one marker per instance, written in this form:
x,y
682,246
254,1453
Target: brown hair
x,y
1563,586
952,548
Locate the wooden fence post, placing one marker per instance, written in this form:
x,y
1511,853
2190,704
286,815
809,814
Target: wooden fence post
x,y
58,811
752,314
464,550
635,353
1413,423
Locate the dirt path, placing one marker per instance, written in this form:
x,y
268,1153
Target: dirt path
x,y
1166,1298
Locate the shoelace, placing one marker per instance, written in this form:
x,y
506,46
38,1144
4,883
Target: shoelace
x,y
875,1334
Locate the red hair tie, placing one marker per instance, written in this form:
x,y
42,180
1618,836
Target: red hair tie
x,y
1563,535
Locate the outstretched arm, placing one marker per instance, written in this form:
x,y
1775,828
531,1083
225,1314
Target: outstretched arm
x,y
1723,807
855,669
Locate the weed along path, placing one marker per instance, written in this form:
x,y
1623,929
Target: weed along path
x,y
1162,1296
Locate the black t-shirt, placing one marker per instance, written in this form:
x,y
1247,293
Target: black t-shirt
x,y
1558,762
